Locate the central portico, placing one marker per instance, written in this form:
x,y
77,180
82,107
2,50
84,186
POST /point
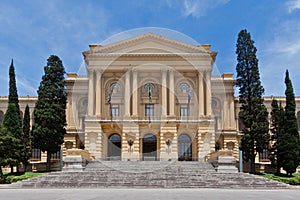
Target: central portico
x,y
151,98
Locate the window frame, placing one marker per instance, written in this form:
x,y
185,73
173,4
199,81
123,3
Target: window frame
x,y
185,108
149,110
115,110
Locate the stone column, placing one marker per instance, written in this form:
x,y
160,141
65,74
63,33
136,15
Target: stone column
x,y
68,109
134,94
208,93
232,114
164,93
226,120
98,94
171,92
200,94
91,93
127,94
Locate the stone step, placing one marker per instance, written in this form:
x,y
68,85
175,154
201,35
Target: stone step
x,y
149,174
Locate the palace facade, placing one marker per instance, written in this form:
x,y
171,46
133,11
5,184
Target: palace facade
x,y
150,98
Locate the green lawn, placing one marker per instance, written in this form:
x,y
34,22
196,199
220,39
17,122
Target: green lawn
x,y
293,180
14,177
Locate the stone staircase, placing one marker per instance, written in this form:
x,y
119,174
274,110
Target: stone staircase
x,y
149,174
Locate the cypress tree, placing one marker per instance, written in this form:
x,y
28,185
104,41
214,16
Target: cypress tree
x,y
50,117
12,124
12,119
288,143
277,128
26,138
13,92
253,112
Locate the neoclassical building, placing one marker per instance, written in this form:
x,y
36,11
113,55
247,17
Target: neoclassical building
x,y
151,98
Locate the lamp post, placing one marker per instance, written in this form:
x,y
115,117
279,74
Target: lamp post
x,y
240,157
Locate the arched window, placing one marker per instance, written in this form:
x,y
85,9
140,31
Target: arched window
x,y
149,137
149,86
114,87
149,147
184,148
114,147
214,103
184,87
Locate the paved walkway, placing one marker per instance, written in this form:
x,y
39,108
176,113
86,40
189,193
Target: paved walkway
x,y
147,194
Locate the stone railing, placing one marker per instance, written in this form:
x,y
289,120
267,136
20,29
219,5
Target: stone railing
x,y
79,152
216,154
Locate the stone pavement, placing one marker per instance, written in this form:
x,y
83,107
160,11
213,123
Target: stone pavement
x,y
147,194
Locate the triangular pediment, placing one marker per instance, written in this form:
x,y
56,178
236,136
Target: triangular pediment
x,y
149,43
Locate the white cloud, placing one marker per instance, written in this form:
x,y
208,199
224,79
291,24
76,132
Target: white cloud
x,y
293,5
198,8
279,53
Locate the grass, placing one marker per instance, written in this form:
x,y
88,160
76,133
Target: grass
x,y
292,180
15,177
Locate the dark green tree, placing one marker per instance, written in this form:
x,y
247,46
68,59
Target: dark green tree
x,y
26,138
12,119
7,142
277,128
253,112
12,124
288,143
13,92
50,117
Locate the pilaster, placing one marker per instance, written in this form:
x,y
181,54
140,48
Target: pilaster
x,y
93,139
127,94
171,93
200,95
134,94
130,132
208,93
164,94
91,93
168,134
98,93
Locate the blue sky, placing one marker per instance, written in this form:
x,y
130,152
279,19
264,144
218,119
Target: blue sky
x,y
31,31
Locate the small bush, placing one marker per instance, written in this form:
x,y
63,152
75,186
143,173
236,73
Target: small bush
x,y
292,180
11,178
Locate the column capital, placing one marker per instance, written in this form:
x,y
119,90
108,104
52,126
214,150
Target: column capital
x,y
91,71
134,69
171,70
99,71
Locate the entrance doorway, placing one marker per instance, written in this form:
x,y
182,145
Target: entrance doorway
x,y
184,148
149,147
114,147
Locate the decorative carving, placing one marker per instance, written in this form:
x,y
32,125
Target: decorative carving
x,y
230,145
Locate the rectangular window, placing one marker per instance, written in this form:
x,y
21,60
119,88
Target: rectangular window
x,y
263,156
115,110
184,110
36,154
149,110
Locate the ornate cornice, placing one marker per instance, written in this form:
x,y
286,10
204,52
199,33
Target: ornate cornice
x,y
147,37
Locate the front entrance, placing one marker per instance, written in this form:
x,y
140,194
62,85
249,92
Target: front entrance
x,y
184,148
114,147
149,147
